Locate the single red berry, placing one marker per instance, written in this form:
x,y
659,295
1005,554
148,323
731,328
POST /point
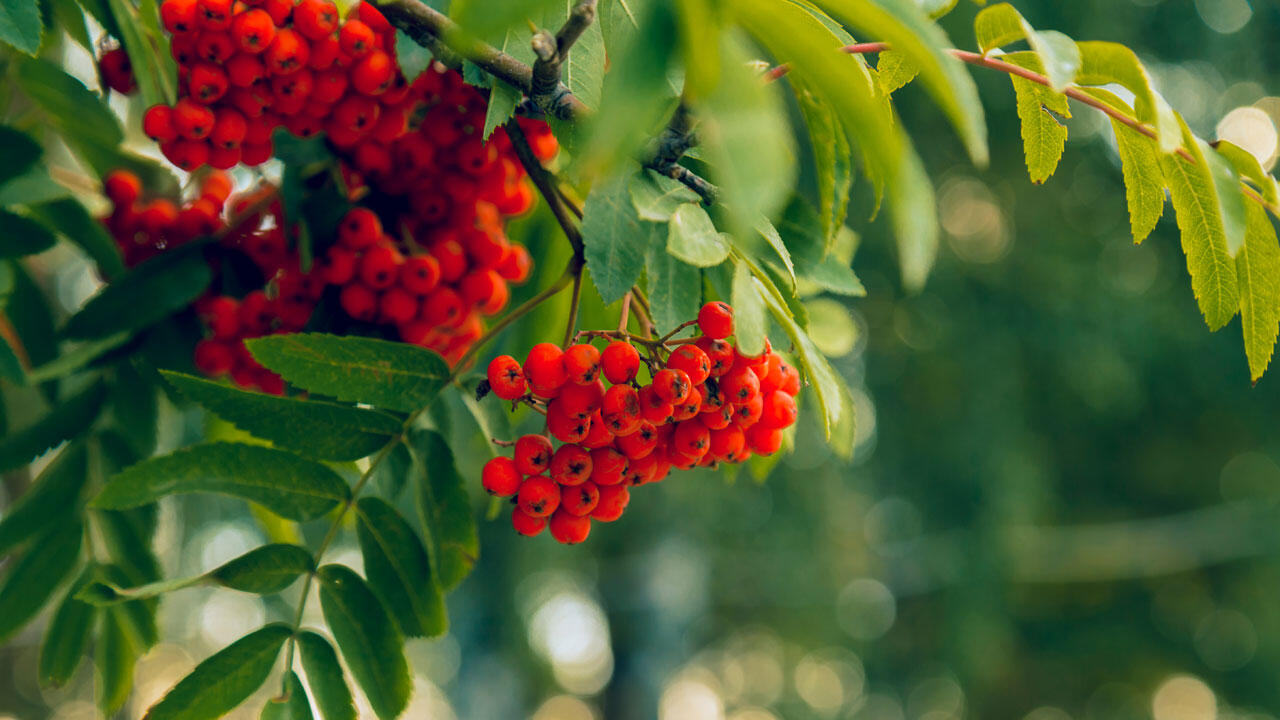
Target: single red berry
x,y
443,307
256,314
506,380
380,266
186,154
644,469
526,524
213,358
374,73
728,443
253,31
690,407
691,438
192,120
229,128
359,229
779,410
122,187
715,319
564,427
178,16
620,362
693,361
221,315
356,38
397,306
532,452
479,286
223,158
719,353
359,302
740,385
621,400
356,113
253,154
324,52
611,503
746,414
790,380
608,465
544,366
516,265
538,496
571,465
371,16
579,499
315,18
287,53
582,362
500,477
568,528
214,14
763,440
672,385
279,10
598,433
419,274
157,124
653,407
716,418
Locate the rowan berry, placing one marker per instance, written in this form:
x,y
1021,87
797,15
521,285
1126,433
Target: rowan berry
x,y
564,427
691,438
526,524
178,16
279,10
252,154
746,414
500,477
213,358
223,158
653,407
356,38
292,89
611,503
214,48
532,453
255,314
672,385
727,443
157,124
192,120
717,418
790,380
620,361
287,53
581,401
640,443
229,128
359,302
690,407
374,73
598,434
538,496
579,499
506,380
122,187
693,361
325,52
315,18
397,306
582,362
740,384
419,274
359,229
715,320
478,287
568,528
571,465
443,307
762,440
779,410
355,113
544,366
214,14
516,265
221,315
608,465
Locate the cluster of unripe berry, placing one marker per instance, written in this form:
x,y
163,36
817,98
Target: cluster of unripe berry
x,y
705,402
246,67
143,227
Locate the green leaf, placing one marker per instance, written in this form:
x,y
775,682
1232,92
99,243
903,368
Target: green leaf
x,y
915,220
699,33
264,570
894,70
20,151
32,186
399,570
323,430
368,638
391,375
486,19
20,25
66,420
1248,167
22,236
67,637
999,25
831,327
745,137
1043,136
75,358
70,220
504,98
31,579
1104,63
771,236
412,57
612,238
138,617
142,56
284,483
294,707
115,654
908,31
445,509
10,365
692,237
225,679
1203,217
584,73
1143,178
656,197
675,288
832,161
1258,274
83,117
750,324
325,678
146,294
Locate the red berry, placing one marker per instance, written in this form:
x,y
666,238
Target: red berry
x,y
192,120
500,477
214,14
356,38
532,452
279,10
221,315
229,128
157,124
359,302
122,187
571,465
607,466
693,361
287,53
538,496
397,306
516,265
214,47
256,314
717,418
639,443
213,358
481,288
507,381
419,274
790,383
582,362
579,499
719,353
715,319
526,524
620,362
253,31
380,266
728,443
612,502
545,369
598,433
564,427
763,440
360,228
355,113
223,158
252,154
691,406
740,385
654,409
746,414
691,438
315,19
374,73
570,529
672,385
178,16
443,307
778,411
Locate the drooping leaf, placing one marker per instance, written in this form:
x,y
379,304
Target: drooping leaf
x,y
75,358
1104,63
153,290
225,679
675,288
612,238
1204,216
504,98
750,323
69,218
263,571
399,569
1043,136
142,56
286,484
368,638
20,25
999,25
1248,167
293,707
21,152
780,251
83,117
137,617
391,375
832,160
412,57
655,196
23,236
54,494
692,237
32,319
323,430
324,676
31,579
894,70
915,220
67,637
445,509
1258,274
115,654
66,420
1143,179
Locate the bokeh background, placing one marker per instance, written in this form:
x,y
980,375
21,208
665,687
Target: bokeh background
x,y
1063,501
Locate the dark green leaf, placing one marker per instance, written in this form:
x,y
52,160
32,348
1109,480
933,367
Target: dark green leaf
x,y
324,676
32,578
655,196
368,638
145,294
20,25
29,312
129,544
225,679
312,427
392,375
288,485
70,220
75,358
67,637
10,365
142,56
32,186
750,323
138,617
692,237
22,236
613,238
445,508
264,571
134,403
399,570
831,156
293,707
83,117
115,653
675,287
20,151
68,419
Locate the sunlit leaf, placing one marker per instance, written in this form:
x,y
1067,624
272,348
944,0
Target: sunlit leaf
x,y
225,679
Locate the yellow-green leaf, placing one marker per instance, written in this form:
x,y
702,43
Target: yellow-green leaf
x,y
1258,272
1104,63
894,70
1143,178
1043,136
1249,168
1001,24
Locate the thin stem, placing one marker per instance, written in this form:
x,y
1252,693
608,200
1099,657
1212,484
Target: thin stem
x,y
546,184
565,278
573,305
677,329
643,312
626,311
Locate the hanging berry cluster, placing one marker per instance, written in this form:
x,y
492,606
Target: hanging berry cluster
x,y
144,227
705,403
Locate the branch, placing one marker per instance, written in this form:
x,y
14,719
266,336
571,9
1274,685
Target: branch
x,y
546,184
666,150
545,89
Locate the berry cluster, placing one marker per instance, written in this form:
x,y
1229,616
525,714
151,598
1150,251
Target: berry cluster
x,y
246,68
705,402
145,227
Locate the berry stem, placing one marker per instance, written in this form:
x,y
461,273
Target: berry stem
x,y
546,184
573,305
626,308
677,329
